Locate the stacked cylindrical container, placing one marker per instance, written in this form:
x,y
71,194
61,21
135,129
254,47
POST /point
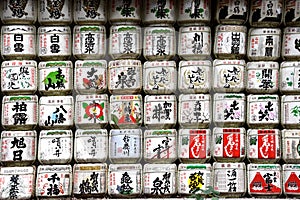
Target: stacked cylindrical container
x,y
194,102
160,104
87,115
288,87
56,104
19,104
126,103
91,101
229,104
263,107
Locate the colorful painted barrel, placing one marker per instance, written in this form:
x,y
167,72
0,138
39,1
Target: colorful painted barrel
x,y
229,179
194,145
154,174
89,42
230,41
228,144
90,76
55,77
56,112
264,44
264,180
126,111
229,75
264,13
91,111
263,145
263,111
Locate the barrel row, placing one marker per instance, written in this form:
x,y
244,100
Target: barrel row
x,y
259,13
159,43
151,180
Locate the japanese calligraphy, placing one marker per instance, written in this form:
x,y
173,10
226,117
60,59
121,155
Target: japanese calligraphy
x,y
17,79
161,45
162,112
232,144
199,114
126,9
18,8
194,10
160,10
92,140
53,187
196,76
14,187
55,79
297,44
126,147
266,146
269,46
232,179
298,78
163,147
232,112
197,43
265,112
89,43
160,77
90,7
232,76
195,182
57,146
127,111
266,81
90,184
128,43
20,116
93,80
54,39
125,187
235,42
54,8
161,186
270,8
197,146
57,117
269,179
18,144
126,79
18,46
